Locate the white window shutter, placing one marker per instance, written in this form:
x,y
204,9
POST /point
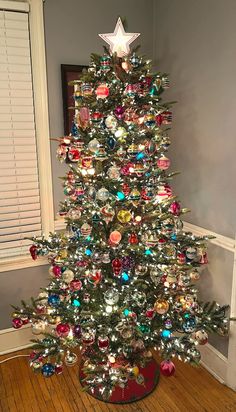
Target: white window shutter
x,y
20,216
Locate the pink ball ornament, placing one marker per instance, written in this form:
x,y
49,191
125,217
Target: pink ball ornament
x,y
163,163
63,330
167,368
175,208
115,237
56,271
76,284
17,323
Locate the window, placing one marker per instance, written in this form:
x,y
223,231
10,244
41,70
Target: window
x,y
25,171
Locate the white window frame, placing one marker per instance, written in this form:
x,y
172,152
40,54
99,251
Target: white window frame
x,y
39,76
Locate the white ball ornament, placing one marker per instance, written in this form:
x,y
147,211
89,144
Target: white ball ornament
x,y
102,194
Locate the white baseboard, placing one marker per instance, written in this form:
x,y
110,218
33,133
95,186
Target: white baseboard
x,y
214,362
12,340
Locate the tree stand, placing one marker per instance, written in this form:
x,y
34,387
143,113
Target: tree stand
x,y
133,391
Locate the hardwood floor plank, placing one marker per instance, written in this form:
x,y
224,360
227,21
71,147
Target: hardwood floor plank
x,y
189,390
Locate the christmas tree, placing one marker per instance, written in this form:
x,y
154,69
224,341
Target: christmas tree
x,y
123,275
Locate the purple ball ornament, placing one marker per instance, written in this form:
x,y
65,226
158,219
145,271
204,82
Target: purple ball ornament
x,y
77,331
119,112
127,262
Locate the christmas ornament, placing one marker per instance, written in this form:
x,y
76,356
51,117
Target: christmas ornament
x,y
70,359
119,41
93,145
102,91
86,229
111,122
63,330
133,239
175,208
163,163
33,252
111,296
105,63
48,370
124,216
86,89
201,336
115,237
38,327
116,265
161,306
119,112
17,323
103,343
102,194
167,368
191,253
76,284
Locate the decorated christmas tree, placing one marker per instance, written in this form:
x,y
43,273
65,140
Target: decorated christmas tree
x,y
123,275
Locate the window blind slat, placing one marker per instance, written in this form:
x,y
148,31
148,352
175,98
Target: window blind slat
x,y
20,172
19,201
18,149
15,85
26,231
18,208
18,186
18,164
17,133
21,193
12,226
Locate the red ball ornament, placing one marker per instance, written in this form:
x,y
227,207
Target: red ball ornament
x,y
125,189
150,312
167,368
116,265
33,252
76,284
175,208
58,368
63,330
133,239
96,117
103,343
17,323
163,163
74,154
102,91
181,258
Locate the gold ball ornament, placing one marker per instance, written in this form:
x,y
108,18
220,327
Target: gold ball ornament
x,y
161,306
67,276
124,216
38,327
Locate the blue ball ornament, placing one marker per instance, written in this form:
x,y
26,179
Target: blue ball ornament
x,y
48,370
166,334
124,277
54,300
76,303
120,195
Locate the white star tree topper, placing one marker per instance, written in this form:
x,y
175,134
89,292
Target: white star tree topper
x,y
119,41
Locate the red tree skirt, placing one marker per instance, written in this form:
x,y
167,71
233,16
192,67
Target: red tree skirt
x,y
133,391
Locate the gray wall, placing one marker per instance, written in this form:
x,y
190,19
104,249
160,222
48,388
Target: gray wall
x,y
71,30
71,33
195,43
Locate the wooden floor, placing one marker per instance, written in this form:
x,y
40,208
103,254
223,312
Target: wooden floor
x,y
191,389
